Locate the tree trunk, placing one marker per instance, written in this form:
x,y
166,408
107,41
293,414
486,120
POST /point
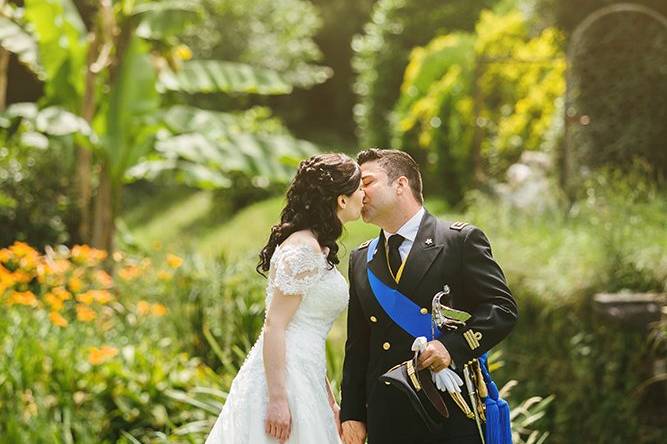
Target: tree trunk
x,y
103,229
103,222
84,161
4,66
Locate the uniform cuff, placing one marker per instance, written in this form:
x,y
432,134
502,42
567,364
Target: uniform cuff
x,y
458,348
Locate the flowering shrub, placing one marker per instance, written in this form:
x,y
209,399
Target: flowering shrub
x,y
86,358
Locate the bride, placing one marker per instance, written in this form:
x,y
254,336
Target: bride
x,y
281,393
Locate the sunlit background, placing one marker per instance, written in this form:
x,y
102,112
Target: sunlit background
x,y
145,147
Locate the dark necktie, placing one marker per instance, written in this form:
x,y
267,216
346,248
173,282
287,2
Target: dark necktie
x,y
395,261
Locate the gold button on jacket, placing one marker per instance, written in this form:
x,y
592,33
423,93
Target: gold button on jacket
x,y
423,311
374,319
386,345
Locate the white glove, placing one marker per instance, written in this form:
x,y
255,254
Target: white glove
x,y
419,344
447,380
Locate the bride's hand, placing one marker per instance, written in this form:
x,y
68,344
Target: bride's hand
x,y
336,412
278,421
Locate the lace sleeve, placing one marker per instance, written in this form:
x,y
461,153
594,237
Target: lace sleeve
x,y
297,268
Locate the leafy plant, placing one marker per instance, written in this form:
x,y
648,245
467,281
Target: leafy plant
x,y
121,76
472,103
382,52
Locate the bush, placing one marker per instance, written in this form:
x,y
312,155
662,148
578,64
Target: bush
x,y
88,361
381,54
36,205
472,103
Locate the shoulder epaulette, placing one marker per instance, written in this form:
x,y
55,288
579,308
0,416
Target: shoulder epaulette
x,y
458,226
364,244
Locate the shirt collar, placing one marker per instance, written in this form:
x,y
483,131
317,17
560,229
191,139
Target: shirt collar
x,y
410,228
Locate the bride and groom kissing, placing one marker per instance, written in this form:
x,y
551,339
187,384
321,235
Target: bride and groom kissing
x,y
281,394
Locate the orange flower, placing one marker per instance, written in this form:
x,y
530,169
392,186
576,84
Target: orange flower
x,y
101,296
28,262
85,298
174,261
44,270
6,278
84,254
54,301
129,272
62,265
158,310
21,249
101,355
5,255
21,277
143,308
23,298
103,278
61,293
84,313
57,319
75,284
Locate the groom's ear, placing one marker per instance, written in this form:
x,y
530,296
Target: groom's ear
x,y
403,185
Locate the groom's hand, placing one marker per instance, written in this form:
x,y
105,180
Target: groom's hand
x,y
435,356
354,432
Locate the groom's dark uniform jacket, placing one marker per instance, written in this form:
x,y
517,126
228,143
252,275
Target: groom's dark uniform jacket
x,y
443,253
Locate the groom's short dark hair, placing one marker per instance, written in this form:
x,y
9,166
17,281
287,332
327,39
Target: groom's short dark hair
x,y
396,163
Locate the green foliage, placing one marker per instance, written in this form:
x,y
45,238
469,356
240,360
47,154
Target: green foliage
x,y
209,149
61,40
326,111
18,40
90,360
611,240
68,400
492,92
382,51
136,68
208,76
130,121
165,20
273,34
35,204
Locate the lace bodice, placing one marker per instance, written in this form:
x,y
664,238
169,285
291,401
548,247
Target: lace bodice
x,y
301,269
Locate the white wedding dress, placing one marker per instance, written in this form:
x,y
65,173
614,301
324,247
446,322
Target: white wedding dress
x,y
294,269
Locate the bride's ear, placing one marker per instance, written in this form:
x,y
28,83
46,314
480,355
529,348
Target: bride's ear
x,y
342,201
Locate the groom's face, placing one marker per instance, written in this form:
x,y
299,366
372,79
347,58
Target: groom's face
x,y
379,193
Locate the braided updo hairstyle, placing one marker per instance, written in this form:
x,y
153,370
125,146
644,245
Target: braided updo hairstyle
x,y
312,203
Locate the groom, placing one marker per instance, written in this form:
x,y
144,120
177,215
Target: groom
x,y
417,254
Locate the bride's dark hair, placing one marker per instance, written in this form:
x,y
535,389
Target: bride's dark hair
x,y
312,203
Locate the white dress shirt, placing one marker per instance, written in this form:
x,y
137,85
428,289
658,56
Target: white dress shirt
x,y
409,232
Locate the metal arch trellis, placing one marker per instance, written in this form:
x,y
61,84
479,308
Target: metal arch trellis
x,y
569,161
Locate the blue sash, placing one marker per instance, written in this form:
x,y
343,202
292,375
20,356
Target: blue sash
x,y
406,314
